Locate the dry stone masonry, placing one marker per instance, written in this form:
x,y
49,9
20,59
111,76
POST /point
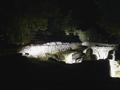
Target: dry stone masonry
x,y
94,51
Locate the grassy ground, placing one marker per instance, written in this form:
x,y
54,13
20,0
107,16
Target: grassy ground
x,y
21,73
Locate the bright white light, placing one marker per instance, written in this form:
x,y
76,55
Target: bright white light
x,y
34,51
114,69
68,59
38,51
100,49
101,52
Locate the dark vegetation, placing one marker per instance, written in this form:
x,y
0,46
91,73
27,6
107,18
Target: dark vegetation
x,y
38,21
21,21
21,73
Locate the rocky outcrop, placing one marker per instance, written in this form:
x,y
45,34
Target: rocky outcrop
x,y
40,50
114,69
101,52
89,55
111,55
69,52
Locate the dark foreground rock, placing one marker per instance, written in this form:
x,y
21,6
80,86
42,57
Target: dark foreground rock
x,y
21,73
89,55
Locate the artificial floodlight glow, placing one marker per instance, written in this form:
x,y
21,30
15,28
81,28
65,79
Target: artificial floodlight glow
x,y
68,59
114,69
38,51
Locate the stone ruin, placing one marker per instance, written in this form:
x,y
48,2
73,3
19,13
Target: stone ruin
x,y
70,55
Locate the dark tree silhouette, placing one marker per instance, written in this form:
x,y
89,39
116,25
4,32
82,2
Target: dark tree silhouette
x,y
110,17
24,18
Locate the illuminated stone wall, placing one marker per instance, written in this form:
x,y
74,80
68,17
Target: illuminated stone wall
x,y
114,69
101,52
99,49
39,50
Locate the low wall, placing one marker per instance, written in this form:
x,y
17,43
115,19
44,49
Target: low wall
x,y
99,49
39,50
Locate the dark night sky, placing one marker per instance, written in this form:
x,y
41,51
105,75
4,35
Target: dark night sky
x,y
85,10
79,5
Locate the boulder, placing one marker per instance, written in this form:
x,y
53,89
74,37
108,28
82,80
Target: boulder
x,y
111,52
77,57
117,55
79,48
111,55
89,55
59,57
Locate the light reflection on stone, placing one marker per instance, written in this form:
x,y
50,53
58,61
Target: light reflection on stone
x,y
40,50
100,50
114,69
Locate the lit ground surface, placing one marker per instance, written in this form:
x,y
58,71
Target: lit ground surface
x,y
19,73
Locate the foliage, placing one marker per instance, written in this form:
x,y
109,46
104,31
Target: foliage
x,y
82,35
94,35
22,20
59,23
8,49
91,35
66,22
23,27
110,16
